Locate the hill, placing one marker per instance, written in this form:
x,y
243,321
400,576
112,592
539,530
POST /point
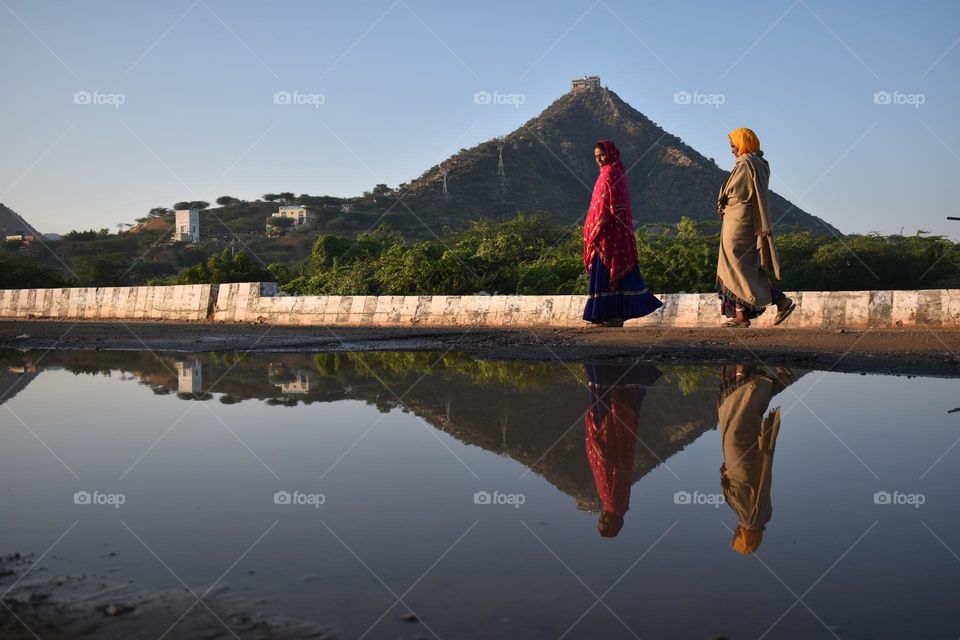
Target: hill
x,y
12,223
548,166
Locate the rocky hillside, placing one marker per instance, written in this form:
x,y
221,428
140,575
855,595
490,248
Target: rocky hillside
x,y
548,166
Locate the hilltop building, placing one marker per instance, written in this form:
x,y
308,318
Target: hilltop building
x,y
187,226
586,82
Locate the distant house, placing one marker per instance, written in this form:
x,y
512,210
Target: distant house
x,y
22,238
302,383
586,82
190,376
187,226
301,217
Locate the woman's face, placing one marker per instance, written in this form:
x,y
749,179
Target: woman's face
x,y
600,156
733,148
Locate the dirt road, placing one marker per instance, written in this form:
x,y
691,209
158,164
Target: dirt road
x,y
904,351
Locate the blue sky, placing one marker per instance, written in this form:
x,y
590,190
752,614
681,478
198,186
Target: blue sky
x,y
181,96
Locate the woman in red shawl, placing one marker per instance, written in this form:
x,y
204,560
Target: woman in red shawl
x,y
617,291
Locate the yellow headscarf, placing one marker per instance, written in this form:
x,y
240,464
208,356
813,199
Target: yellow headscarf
x,y
746,541
745,140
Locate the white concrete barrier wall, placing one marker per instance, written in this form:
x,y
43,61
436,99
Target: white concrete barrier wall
x,y
260,302
190,302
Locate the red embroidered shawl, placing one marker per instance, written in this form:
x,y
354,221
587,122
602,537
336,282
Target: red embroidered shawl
x,y
608,229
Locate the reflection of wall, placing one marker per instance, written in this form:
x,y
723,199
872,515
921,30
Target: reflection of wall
x,y
190,376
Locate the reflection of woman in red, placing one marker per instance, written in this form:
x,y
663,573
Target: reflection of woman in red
x,y
749,439
612,424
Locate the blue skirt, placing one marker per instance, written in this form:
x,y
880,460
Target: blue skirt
x,y
630,300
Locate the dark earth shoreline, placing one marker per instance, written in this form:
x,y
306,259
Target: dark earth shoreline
x,y
900,351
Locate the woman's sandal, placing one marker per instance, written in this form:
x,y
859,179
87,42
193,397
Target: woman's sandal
x,y
783,315
733,324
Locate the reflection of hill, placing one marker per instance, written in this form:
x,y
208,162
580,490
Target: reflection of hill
x,y
13,381
543,428
529,411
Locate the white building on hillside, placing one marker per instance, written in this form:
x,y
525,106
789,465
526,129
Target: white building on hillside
x,y
302,217
187,226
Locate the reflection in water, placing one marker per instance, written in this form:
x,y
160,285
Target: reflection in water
x,y
190,376
612,426
401,499
527,411
749,439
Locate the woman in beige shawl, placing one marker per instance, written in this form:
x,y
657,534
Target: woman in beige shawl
x,y
749,439
748,254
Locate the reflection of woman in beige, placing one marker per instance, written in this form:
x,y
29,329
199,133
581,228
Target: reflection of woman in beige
x,y
749,439
612,424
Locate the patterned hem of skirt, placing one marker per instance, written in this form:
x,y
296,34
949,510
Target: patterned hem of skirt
x,y
604,294
726,293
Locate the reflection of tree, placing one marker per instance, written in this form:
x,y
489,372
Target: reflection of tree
x,y
749,440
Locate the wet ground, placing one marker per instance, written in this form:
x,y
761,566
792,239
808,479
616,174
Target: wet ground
x,y
924,351
435,494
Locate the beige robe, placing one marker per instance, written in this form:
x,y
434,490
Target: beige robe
x,y
749,440
747,250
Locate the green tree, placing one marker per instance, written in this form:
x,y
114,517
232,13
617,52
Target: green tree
x,y
21,272
225,267
101,269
